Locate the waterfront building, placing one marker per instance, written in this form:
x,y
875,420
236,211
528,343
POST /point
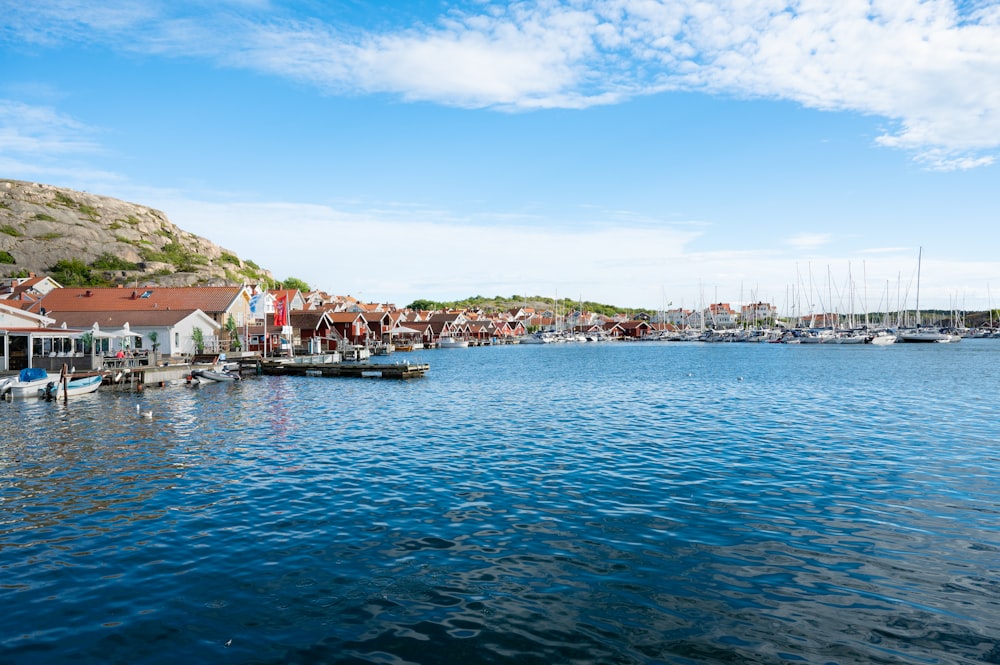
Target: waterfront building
x,y
142,307
758,314
720,315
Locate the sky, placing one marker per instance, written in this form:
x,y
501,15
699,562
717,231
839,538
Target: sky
x,y
640,153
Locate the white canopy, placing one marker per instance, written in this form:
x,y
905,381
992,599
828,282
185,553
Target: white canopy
x,y
97,333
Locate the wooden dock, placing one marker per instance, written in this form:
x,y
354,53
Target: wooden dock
x,y
404,370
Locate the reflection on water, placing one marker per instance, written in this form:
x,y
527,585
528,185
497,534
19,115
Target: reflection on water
x,y
631,503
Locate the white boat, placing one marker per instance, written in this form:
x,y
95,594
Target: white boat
x,y
58,390
882,338
923,335
817,337
214,375
849,337
352,353
30,382
449,342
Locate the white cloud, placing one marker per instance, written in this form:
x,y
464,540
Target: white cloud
x,y
40,130
626,265
334,250
807,241
931,70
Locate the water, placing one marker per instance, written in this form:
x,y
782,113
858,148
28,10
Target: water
x,y
602,503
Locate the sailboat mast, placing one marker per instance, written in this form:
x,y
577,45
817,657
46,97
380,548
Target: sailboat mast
x,y
920,255
864,279
989,303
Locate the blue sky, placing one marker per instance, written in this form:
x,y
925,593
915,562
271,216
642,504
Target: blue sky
x,y
628,152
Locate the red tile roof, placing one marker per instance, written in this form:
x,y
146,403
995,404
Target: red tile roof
x,y
209,299
117,319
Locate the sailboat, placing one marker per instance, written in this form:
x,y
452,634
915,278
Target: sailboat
x,y
920,334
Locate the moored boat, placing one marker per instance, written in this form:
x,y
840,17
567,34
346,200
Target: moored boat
x,y
81,386
214,375
352,353
926,335
30,381
448,342
882,338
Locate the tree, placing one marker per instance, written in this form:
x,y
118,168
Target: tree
x,y
87,340
233,332
198,337
293,283
154,343
423,305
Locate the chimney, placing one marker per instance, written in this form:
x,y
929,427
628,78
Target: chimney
x,y
87,294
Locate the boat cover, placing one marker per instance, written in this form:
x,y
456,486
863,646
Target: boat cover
x,y
32,374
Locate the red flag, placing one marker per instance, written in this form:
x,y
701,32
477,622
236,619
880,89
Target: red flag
x,y
280,311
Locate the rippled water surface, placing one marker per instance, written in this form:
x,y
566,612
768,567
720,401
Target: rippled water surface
x,y
602,503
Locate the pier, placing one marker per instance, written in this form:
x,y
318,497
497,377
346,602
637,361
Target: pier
x,y
404,370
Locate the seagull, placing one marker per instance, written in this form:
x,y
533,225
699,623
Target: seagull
x,y
142,414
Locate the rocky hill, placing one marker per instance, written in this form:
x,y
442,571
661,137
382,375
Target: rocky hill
x,y
82,239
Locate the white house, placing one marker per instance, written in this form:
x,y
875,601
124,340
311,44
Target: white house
x,y
174,328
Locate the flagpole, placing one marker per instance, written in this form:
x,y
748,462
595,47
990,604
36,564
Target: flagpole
x,y
246,326
265,322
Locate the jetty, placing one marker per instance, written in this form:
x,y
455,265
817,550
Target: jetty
x,y
402,370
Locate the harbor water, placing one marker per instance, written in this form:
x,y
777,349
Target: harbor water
x,y
571,503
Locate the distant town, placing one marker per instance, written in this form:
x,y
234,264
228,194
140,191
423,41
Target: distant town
x,y
42,322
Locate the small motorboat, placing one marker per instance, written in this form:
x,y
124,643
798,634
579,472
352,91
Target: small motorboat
x,y
29,383
81,386
214,375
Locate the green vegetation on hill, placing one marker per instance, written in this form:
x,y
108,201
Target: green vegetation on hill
x,y
58,231
295,283
74,272
500,303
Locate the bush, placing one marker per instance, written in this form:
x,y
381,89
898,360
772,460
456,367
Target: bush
x,y
111,262
71,272
5,257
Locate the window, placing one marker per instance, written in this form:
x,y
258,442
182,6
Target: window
x,y
146,294
177,340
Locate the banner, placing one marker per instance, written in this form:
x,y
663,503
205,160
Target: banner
x,y
280,311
